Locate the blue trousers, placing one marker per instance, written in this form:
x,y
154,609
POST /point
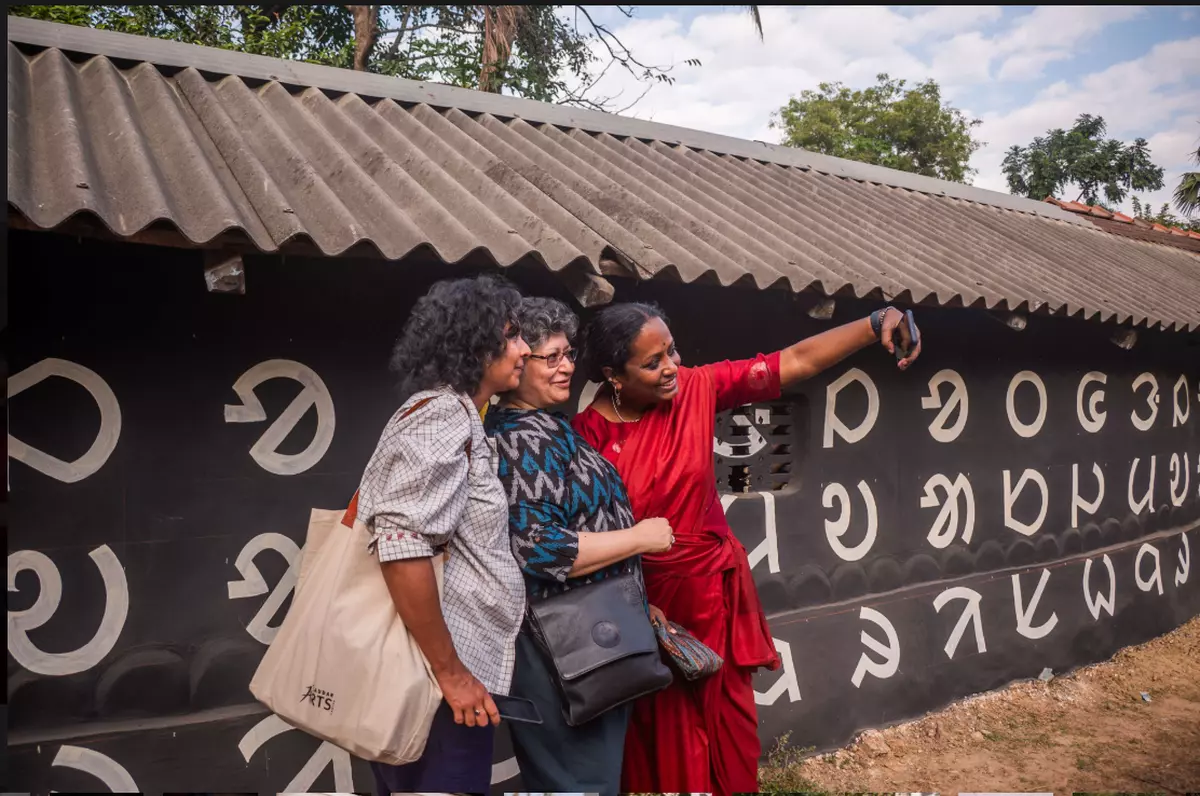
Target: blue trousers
x,y
555,757
457,759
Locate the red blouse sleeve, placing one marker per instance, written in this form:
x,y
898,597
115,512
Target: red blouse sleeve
x,y
745,381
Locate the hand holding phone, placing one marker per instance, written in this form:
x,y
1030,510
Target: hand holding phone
x,y
517,709
898,338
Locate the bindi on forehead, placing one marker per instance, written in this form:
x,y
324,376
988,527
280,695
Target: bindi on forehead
x,y
654,334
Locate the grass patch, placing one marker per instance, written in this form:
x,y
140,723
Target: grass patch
x,y
781,773
1085,764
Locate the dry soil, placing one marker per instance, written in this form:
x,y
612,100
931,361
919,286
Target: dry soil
x,y
1087,731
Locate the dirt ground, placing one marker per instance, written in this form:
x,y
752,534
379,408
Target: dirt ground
x,y
1087,731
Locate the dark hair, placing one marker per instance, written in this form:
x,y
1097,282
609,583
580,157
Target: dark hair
x,y
610,334
541,318
453,332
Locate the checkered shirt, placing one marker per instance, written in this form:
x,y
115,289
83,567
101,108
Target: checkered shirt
x,y
420,494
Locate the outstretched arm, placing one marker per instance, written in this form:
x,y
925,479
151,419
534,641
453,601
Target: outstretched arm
x,y
814,354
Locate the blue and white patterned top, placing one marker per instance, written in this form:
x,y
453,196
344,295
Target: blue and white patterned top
x,y
557,486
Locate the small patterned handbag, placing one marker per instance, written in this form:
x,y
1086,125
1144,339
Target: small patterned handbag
x,y
691,657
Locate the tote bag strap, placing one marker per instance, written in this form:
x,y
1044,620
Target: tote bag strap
x,y
352,510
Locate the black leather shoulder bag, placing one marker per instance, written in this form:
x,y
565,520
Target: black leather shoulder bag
x,y
602,644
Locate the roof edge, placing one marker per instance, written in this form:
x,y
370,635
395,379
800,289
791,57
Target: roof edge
x,y
177,54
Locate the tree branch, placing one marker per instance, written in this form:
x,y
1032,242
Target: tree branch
x,y
500,25
636,101
435,26
179,22
604,34
366,33
400,32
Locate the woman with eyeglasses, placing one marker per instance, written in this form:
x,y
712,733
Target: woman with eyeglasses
x,y
570,526
431,487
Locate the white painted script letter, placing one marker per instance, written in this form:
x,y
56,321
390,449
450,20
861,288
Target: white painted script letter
x,y
835,529
958,398
1025,612
833,425
1026,429
1077,501
970,614
1155,580
1152,400
1012,494
1093,418
1098,603
890,652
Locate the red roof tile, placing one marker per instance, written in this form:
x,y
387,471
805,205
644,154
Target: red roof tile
x,y
1139,228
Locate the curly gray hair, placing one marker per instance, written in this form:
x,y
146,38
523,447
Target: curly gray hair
x,y
541,318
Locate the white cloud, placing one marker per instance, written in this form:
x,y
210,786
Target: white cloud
x,y
1141,97
981,57
1054,30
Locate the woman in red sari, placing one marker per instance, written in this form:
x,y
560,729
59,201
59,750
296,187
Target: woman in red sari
x,y
654,420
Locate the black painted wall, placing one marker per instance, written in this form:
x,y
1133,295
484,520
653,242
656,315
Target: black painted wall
x,y
157,697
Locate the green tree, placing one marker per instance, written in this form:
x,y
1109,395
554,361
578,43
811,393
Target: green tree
x,y
1164,215
1187,193
910,129
546,53
1081,157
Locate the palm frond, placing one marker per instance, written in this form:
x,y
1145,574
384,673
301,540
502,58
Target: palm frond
x,y
1187,194
757,18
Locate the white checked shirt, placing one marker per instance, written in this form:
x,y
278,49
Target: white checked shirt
x,y
420,493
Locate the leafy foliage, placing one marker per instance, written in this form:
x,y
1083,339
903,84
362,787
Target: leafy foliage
x,y
1187,193
542,52
1084,158
782,772
910,129
1164,215
319,34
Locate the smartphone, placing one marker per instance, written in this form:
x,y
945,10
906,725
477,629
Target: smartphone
x,y
913,336
517,709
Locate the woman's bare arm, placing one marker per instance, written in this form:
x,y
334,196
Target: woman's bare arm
x,y
814,354
599,550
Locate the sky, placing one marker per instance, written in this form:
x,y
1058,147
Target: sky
x,y
1020,69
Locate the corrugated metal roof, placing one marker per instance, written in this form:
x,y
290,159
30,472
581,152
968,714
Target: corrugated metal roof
x,y
134,142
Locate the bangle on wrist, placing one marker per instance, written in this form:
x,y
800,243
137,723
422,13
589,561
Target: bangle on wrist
x,y
877,321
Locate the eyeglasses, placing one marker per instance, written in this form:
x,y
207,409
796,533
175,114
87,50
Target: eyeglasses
x,y
554,360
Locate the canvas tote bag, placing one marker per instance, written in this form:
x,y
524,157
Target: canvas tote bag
x,y
343,667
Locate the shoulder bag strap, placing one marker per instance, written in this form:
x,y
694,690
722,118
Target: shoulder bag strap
x,y
352,510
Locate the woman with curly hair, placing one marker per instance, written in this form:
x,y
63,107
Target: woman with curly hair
x,y
431,487
571,527
653,419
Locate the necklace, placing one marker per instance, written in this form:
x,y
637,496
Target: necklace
x,y
618,411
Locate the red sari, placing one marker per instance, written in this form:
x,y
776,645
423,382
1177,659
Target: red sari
x,y
702,736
